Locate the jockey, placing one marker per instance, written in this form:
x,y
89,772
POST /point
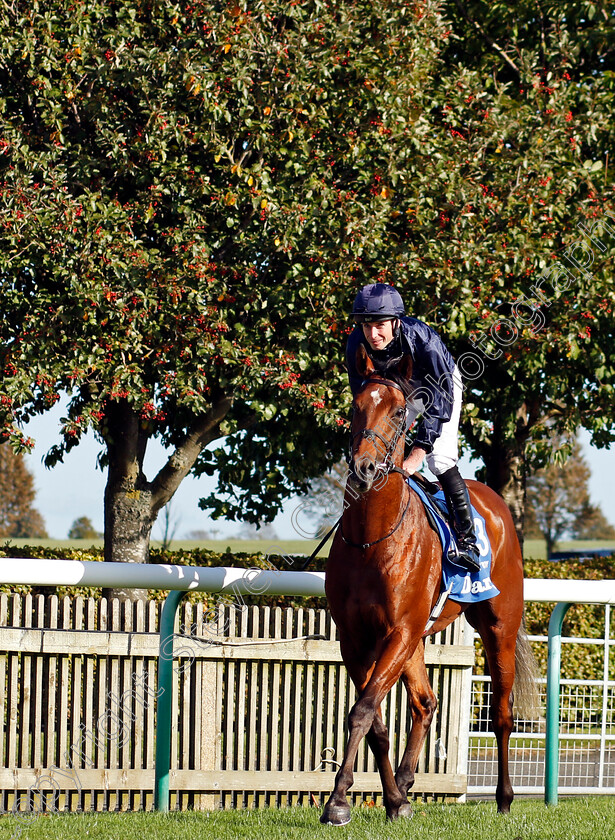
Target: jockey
x,y
387,334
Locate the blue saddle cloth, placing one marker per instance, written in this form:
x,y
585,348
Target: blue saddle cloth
x,y
465,586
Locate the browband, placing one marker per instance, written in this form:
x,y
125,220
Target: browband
x,y
379,381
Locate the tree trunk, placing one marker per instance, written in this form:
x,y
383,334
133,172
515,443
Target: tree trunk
x,y
504,459
132,502
128,526
505,473
128,498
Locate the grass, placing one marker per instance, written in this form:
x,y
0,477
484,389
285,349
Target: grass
x,y
537,549
572,819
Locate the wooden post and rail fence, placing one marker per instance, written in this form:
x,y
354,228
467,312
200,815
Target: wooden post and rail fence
x,y
253,701
257,716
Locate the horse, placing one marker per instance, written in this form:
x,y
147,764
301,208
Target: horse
x,y
383,577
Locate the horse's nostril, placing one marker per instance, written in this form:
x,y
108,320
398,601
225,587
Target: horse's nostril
x,y
365,469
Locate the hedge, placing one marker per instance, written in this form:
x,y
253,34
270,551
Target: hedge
x,y
586,621
181,557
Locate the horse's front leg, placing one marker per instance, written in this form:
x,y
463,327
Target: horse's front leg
x,y
378,739
362,718
423,704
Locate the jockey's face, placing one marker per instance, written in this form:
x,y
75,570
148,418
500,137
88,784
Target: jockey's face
x,y
378,333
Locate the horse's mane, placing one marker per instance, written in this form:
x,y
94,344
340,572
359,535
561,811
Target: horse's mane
x,y
398,378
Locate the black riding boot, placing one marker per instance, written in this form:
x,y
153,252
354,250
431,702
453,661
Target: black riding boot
x,y
458,501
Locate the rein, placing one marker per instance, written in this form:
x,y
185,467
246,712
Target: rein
x,y
319,546
382,539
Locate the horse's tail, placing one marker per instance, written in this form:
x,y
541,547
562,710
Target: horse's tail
x,y
526,695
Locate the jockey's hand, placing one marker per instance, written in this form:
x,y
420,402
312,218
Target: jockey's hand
x,y
415,459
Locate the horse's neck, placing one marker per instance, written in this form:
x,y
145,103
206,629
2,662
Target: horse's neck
x,y
374,514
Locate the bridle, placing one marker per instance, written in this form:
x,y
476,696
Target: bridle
x,y
386,466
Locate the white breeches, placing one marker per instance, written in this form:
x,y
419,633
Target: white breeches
x,y
445,453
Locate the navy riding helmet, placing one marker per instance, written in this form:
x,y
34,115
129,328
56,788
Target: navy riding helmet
x,y
377,302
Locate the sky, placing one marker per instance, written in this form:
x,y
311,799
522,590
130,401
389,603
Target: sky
x,y
75,488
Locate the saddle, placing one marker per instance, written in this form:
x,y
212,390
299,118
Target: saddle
x,y
458,583
436,509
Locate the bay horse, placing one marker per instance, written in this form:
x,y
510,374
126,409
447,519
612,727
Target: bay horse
x,y
383,577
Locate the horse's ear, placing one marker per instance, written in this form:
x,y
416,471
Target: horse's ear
x,y
405,367
365,366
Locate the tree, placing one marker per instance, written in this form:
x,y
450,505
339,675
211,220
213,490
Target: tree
x,y
323,503
558,498
592,524
540,269
177,182
249,531
191,195
169,526
82,529
199,534
17,516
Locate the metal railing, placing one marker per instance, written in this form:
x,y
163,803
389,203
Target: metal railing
x,y
178,579
572,748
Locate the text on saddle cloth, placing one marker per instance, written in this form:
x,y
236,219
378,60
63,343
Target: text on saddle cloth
x,y
465,586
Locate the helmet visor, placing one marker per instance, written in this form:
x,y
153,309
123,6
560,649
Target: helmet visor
x,y
371,318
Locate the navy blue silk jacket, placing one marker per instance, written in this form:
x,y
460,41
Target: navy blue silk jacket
x,y
432,378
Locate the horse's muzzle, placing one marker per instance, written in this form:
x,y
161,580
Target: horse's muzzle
x,y
362,474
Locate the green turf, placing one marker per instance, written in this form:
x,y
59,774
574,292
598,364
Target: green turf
x,y
537,549
572,819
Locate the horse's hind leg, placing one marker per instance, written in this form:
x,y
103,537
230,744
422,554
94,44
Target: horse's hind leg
x,y
423,705
502,667
499,638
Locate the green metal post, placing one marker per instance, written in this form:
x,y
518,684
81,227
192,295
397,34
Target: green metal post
x,y
165,699
553,685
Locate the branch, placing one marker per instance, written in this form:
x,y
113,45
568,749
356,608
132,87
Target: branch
x,y
486,37
204,430
10,7
225,247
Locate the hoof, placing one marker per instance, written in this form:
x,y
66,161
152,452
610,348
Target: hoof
x,y
335,815
404,811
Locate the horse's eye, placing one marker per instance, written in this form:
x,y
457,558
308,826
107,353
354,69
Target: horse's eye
x,y
400,412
